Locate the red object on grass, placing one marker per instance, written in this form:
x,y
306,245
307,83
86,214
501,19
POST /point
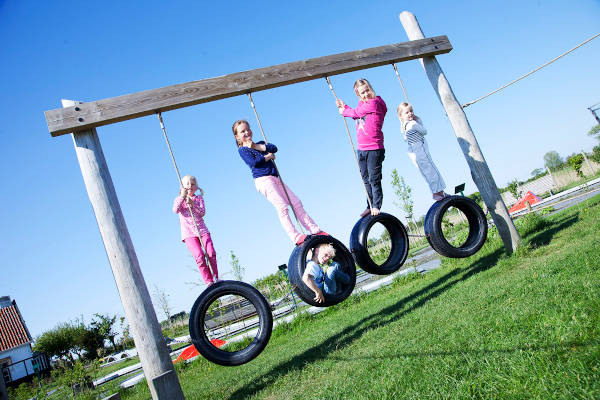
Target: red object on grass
x,y
191,352
528,198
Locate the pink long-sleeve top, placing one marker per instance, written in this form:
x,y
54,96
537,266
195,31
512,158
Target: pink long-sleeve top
x,y
369,117
188,228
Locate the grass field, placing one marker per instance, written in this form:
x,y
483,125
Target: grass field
x,y
489,326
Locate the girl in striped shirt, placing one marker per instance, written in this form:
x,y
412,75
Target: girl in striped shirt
x,y
414,133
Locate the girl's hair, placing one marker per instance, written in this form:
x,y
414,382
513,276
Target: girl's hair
x,y
190,177
402,107
360,82
234,127
326,247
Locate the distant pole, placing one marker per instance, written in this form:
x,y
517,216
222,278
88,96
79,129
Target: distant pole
x,y
148,338
466,139
551,176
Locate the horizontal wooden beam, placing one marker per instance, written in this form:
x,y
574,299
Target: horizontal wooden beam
x,y
85,116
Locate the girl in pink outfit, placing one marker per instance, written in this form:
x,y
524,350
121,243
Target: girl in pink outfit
x,y
259,157
369,115
193,228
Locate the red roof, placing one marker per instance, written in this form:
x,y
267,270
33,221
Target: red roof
x,y
528,198
12,329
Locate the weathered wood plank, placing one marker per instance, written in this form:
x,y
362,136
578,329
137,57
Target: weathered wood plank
x,y
86,116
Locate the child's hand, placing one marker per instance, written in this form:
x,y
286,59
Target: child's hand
x,y
269,156
183,192
319,298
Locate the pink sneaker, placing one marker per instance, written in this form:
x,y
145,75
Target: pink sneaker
x,y
323,233
300,239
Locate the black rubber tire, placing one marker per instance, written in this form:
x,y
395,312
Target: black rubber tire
x,y
398,237
198,313
297,264
475,218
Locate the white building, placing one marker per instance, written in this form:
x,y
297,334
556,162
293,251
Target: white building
x,y
17,362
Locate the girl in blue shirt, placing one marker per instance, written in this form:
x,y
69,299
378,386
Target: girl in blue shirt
x,y
259,156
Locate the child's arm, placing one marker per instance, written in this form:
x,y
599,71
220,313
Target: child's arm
x,y
308,279
363,108
178,204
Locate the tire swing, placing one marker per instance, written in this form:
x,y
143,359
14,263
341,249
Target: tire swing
x,y
475,218
297,265
202,316
202,313
398,237
360,231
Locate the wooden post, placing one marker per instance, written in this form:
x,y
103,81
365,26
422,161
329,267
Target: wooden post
x,y
135,297
466,139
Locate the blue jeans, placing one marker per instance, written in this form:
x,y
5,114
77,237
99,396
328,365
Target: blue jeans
x,y
370,162
333,277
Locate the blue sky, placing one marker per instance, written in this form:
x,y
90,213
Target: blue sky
x,y
54,263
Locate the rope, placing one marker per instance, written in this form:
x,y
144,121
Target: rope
x,y
351,144
531,72
206,260
401,84
276,169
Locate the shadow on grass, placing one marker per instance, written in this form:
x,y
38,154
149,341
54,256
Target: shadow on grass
x,y
538,239
353,332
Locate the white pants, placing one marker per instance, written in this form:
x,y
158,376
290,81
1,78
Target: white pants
x,y
419,154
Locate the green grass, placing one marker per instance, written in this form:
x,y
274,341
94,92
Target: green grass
x,y
490,326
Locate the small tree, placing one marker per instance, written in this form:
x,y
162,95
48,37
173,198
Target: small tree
x,y
403,191
104,325
553,160
537,171
576,162
595,154
236,268
162,298
513,187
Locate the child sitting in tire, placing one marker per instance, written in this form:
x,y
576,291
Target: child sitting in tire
x,y
320,281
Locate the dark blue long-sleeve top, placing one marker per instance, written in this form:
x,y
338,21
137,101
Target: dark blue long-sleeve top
x,y
256,160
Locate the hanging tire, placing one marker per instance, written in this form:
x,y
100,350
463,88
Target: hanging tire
x,y
398,238
199,318
475,219
297,264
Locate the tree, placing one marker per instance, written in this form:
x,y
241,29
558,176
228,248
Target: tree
x,y
162,298
59,342
553,160
596,154
595,132
513,187
238,270
403,191
104,326
576,162
537,171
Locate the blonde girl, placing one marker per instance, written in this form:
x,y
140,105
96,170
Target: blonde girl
x,y
190,207
414,134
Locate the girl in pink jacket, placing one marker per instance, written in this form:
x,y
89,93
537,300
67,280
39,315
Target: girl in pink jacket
x,y
190,208
369,115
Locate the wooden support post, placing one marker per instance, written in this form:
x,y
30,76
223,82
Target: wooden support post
x,y
135,297
466,139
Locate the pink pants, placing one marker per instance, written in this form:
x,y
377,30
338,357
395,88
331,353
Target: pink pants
x,y
270,186
193,245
